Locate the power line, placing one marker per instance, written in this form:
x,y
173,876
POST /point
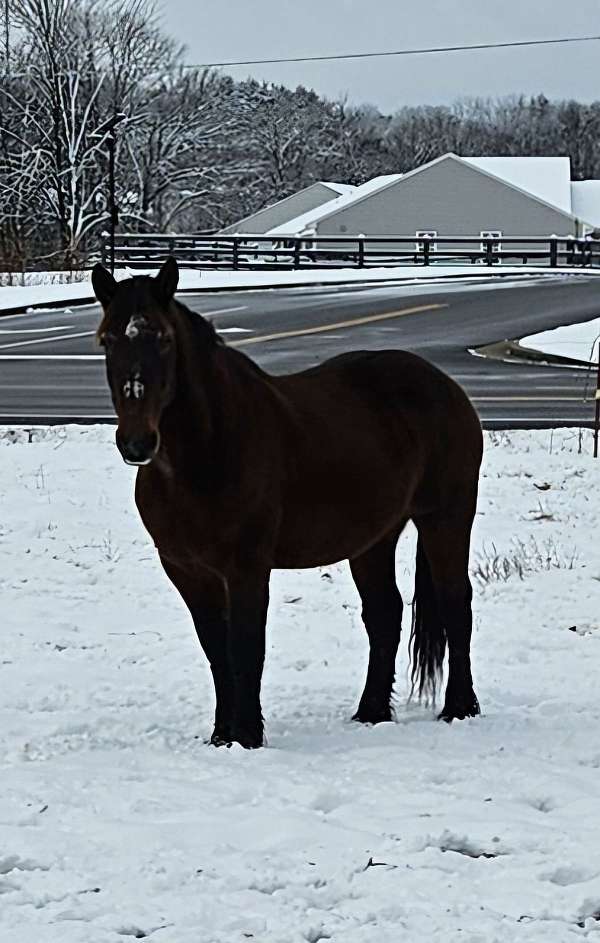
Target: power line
x,y
426,50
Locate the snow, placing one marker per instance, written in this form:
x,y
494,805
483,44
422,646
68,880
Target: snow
x,y
190,279
585,196
15,296
547,178
578,341
117,821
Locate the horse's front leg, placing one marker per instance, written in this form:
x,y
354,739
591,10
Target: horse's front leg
x,y
248,602
205,595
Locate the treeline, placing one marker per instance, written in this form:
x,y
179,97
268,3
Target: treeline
x,y
196,149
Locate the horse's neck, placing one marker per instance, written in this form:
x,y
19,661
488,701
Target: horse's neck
x,y
202,427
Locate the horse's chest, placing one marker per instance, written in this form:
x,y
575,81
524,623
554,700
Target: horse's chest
x,y
180,527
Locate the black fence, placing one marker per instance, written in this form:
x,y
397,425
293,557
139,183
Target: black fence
x,y
145,250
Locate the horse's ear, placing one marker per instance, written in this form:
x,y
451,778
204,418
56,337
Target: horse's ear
x,y
104,285
167,278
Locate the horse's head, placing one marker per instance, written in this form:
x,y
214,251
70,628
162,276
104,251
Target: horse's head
x,y
138,336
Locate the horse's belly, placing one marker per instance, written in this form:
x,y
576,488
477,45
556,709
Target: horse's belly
x,y
328,531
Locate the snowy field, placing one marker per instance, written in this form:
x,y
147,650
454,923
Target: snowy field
x,y
579,341
39,292
118,822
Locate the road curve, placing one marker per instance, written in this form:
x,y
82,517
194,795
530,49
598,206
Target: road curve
x,y
51,371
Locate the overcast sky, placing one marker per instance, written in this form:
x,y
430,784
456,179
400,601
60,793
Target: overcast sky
x,y
215,30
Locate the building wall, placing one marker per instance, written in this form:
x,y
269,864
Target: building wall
x,y
452,199
277,213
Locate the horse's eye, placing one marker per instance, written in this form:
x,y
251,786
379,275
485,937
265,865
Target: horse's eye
x,y
164,340
107,339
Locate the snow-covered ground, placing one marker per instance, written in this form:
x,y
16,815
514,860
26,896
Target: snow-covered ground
x,y
579,341
117,821
38,294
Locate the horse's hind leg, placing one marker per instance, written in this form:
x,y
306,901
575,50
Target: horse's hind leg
x,y
446,539
374,573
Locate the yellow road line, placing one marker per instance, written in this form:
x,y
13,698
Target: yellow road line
x,y
321,328
528,399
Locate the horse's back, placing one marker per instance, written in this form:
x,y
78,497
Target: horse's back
x,y
410,391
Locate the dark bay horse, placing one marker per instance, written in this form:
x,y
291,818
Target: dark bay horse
x,y
241,472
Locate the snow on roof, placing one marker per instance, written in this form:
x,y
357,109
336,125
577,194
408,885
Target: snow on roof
x,y
547,178
299,225
339,188
585,200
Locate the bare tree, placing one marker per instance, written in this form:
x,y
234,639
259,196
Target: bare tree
x,y
177,147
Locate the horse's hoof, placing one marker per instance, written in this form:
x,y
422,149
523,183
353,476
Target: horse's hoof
x,y
373,717
219,740
248,739
250,743
458,711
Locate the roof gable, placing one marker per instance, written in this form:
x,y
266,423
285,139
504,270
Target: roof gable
x,y
333,207
546,178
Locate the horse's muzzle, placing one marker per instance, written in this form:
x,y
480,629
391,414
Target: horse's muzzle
x,y
138,450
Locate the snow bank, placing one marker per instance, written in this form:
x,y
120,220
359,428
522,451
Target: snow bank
x,y
579,341
117,821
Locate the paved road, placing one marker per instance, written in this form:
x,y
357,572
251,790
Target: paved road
x,y
51,371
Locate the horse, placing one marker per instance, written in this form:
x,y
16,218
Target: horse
x,y
240,472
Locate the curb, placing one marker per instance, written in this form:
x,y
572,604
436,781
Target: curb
x,y
511,351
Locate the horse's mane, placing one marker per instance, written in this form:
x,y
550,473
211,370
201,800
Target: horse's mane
x,y
207,340
203,331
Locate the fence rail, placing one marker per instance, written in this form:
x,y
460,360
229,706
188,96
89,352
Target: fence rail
x,y
245,252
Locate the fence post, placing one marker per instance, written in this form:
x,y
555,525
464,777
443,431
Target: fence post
x,y
426,247
235,258
489,252
297,244
570,255
553,251
361,253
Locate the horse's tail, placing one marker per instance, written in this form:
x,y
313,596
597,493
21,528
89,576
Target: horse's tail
x,y
427,637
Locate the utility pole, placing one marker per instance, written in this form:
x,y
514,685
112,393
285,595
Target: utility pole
x,y
109,128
